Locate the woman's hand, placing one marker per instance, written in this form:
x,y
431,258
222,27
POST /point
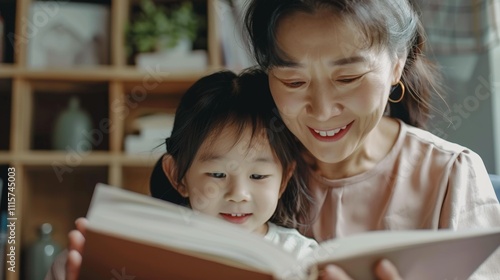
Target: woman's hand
x,y
76,245
384,270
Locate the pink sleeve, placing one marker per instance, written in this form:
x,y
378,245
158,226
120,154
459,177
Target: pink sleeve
x,y
471,203
470,200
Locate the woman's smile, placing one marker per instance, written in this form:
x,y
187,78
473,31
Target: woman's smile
x,y
332,134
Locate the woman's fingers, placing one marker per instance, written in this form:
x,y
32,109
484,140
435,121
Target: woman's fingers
x,y
76,241
77,236
73,265
385,270
81,225
76,244
333,272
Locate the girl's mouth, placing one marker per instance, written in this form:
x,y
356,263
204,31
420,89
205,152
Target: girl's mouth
x,y
236,218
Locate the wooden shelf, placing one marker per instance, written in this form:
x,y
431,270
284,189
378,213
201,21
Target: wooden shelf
x,y
48,158
102,74
5,157
47,198
138,160
116,93
8,70
132,74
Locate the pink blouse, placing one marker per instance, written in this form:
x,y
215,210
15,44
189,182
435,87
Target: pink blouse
x,y
423,183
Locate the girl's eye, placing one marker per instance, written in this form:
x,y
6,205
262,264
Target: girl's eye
x,y
349,80
293,84
258,177
217,175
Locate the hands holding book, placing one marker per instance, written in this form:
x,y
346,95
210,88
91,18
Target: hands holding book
x,y
384,270
177,235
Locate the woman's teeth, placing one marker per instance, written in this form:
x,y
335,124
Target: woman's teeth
x,y
325,133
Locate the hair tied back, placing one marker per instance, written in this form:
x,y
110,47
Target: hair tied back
x,y
167,143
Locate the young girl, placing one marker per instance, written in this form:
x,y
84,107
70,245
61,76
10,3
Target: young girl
x,y
231,157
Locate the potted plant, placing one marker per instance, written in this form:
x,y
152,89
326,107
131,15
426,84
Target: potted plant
x,y
157,29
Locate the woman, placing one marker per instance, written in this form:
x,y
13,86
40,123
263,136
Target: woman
x,y
351,83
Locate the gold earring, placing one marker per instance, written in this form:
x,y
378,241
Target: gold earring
x,y
402,93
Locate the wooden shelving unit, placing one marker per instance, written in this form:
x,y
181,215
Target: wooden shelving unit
x,y
56,186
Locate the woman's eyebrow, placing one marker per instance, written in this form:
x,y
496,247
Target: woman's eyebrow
x,y
348,60
338,62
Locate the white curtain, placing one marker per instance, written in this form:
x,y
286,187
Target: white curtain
x,y
460,26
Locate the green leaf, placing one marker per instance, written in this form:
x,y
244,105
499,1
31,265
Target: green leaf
x,y
154,23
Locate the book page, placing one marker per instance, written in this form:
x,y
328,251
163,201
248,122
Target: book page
x,y
418,254
143,219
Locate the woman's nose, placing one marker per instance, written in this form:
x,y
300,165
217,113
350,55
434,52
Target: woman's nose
x,y
323,103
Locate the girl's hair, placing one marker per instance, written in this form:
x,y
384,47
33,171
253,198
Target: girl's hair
x,y
390,24
223,100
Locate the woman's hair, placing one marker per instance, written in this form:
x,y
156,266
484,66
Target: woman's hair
x,y
223,100
386,24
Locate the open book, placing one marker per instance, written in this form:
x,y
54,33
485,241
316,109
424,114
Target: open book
x,y
134,236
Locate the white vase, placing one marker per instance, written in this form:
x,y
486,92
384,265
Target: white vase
x,y
72,128
183,46
179,58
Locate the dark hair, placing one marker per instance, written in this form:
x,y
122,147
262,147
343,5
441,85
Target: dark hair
x,y
222,100
391,24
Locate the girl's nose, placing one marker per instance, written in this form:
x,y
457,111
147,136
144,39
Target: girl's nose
x,y
237,191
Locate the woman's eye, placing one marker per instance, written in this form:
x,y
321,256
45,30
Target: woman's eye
x,y
258,177
349,80
293,84
217,175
